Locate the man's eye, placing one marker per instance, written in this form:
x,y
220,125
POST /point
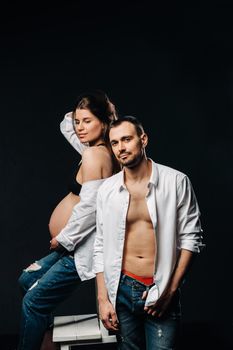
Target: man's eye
x,y
76,122
87,121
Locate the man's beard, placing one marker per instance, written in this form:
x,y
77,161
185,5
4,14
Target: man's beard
x,y
133,162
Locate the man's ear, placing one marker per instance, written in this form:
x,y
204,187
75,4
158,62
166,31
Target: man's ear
x,y
144,140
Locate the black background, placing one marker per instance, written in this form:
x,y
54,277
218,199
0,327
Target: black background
x,y
168,63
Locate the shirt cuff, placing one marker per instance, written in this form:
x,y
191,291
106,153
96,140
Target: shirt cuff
x,y
98,268
65,242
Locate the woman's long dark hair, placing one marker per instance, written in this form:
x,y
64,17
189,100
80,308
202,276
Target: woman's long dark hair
x,y
98,103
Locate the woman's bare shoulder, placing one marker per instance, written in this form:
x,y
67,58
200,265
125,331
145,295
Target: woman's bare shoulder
x,y
96,163
96,154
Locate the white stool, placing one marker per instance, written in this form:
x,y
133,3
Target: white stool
x,y
80,330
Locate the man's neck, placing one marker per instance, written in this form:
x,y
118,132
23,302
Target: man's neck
x,y
139,173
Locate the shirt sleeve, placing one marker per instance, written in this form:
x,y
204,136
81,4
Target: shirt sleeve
x,y
98,261
82,221
67,129
188,218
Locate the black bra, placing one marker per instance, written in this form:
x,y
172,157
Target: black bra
x,y
73,185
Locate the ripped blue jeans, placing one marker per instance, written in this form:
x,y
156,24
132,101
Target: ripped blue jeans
x,y
137,329
45,284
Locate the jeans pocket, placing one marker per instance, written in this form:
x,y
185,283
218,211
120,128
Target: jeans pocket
x,y
68,262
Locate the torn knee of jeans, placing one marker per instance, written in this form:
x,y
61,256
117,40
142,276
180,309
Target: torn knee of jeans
x,y
34,285
33,267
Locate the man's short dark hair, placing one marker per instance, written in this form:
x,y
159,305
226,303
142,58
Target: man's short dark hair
x,y
128,118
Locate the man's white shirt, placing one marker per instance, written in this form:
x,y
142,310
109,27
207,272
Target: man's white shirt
x,y
175,217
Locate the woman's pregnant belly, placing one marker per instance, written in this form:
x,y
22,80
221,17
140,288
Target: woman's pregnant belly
x,y
61,214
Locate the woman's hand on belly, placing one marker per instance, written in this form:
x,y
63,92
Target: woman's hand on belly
x,y
54,243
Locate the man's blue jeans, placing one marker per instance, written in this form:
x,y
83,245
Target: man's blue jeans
x,y
138,330
45,285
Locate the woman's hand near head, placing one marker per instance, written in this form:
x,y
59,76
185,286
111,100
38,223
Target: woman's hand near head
x,y
96,164
67,129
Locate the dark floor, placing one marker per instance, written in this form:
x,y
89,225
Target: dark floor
x,y
199,336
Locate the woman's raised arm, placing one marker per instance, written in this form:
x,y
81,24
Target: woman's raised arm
x,y
67,129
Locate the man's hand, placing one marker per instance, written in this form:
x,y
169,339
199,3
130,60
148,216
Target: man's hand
x,y
160,306
183,264
108,315
54,244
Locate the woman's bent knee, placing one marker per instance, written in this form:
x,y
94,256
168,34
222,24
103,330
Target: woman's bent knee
x,y
23,282
28,277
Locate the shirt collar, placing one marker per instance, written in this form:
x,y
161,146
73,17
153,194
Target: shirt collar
x,y
153,178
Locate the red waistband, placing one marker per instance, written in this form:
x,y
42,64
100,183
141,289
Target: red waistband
x,y
146,280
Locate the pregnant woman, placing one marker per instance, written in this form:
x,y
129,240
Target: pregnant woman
x,y
50,280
